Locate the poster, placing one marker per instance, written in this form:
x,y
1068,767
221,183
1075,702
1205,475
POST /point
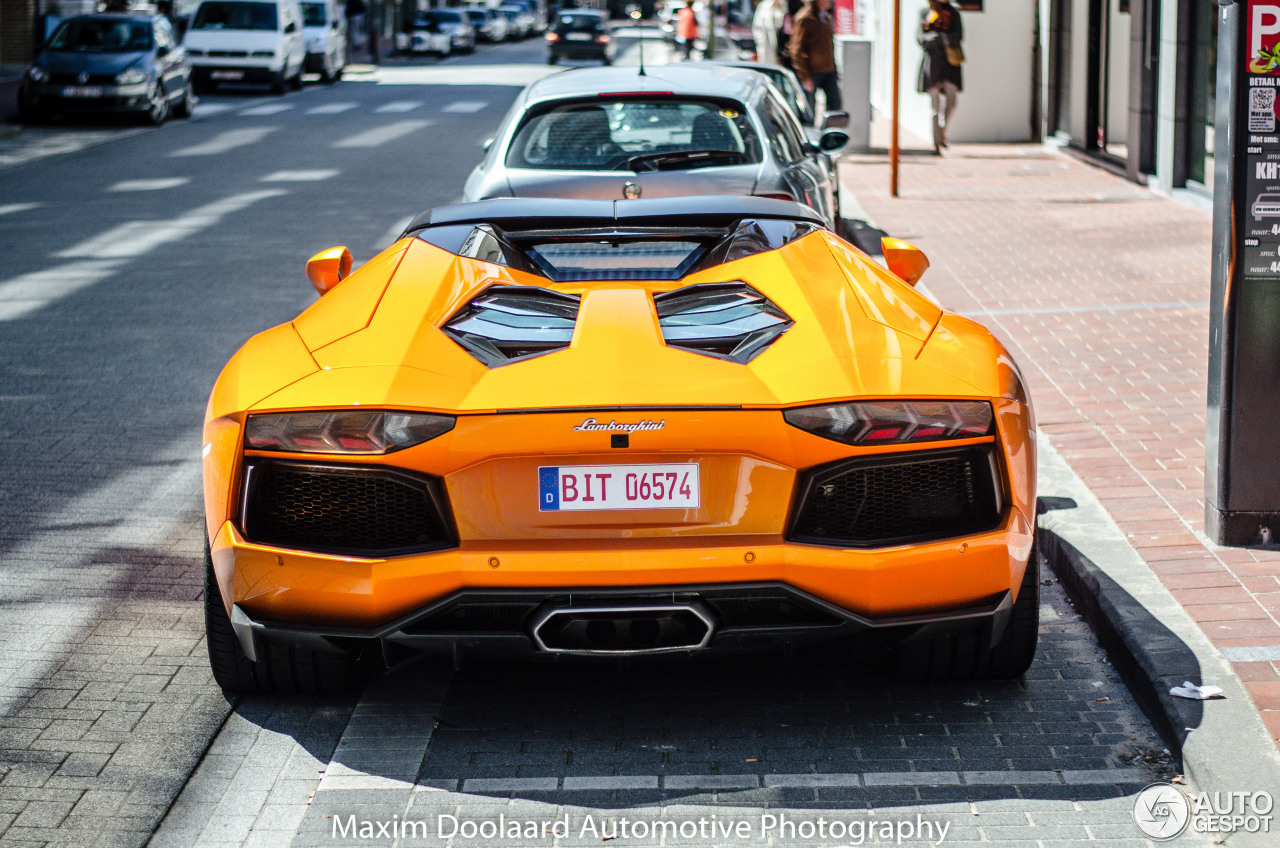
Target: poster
x,y
1261,218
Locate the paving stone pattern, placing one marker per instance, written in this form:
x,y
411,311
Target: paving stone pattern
x,y
1056,757
1101,289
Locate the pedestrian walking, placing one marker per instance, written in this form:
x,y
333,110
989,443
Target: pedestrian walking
x,y
355,23
941,34
686,29
813,53
766,24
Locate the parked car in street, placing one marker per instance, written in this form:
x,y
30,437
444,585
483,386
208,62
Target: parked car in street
x,y
491,24
580,34
247,41
433,26
325,28
109,63
519,21
685,425
680,129
537,22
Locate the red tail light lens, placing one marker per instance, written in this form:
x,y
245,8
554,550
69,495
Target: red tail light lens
x,y
602,39
895,422
781,195
355,431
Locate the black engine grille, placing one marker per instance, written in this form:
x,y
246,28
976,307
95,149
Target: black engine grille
x,y
757,607
356,510
900,498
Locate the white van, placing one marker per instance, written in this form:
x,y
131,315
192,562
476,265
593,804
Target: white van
x,y
325,26
246,41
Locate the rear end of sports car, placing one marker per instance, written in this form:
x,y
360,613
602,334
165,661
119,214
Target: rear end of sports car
x,y
609,438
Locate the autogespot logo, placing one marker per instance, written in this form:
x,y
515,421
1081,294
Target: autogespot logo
x,y
1161,811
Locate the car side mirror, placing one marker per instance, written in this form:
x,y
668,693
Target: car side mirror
x,y
487,143
291,27
832,140
162,51
835,120
328,268
904,259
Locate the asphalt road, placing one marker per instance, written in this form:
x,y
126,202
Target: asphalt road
x,y
134,265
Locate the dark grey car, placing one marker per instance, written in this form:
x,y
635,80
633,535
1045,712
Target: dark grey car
x,y
610,133
109,63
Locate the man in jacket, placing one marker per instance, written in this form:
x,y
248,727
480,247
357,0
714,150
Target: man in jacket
x,y
940,36
813,52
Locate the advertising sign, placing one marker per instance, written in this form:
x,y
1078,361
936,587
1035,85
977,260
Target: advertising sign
x,y
846,17
1262,151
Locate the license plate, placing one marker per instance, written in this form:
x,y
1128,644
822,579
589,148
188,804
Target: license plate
x,y
578,36
598,487
227,75
82,91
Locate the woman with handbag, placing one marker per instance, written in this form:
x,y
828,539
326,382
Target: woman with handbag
x,y
940,37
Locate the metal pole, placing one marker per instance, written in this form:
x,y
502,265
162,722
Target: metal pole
x,y
893,123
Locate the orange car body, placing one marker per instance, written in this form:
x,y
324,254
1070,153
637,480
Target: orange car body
x,y
375,342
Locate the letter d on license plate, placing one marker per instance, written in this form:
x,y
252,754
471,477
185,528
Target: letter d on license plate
x,y
594,487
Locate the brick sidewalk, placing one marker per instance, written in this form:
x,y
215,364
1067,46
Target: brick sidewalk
x,y
1100,288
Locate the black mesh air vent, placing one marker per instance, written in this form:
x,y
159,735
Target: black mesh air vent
x,y
726,320
899,498
510,323
356,510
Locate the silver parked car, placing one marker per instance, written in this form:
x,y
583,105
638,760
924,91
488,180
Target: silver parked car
x,y
609,133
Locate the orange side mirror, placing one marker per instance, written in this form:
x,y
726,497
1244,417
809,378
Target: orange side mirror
x,y
328,268
904,259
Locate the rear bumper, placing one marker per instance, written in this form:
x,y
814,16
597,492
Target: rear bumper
x,y
742,617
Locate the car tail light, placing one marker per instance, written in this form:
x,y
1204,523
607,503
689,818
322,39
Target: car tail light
x,y
894,422
356,431
780,195
602,39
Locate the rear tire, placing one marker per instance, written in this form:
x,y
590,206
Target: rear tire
x,y
970,656
282,669
184,109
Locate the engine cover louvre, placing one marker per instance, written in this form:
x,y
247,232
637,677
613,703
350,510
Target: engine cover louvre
x,y
505,324
730,321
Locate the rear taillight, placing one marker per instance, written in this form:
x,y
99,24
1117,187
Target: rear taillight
x,y
894,422
780,195
343,431
602,39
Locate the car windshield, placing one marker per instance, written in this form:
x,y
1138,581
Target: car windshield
x,y
579,23
102,35
635,134
224,15
313,14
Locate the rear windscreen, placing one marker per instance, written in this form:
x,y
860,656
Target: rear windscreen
x,y
214,15
579,23
656,259
635,134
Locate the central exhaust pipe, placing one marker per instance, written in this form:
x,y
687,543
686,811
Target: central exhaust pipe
x,y
614,630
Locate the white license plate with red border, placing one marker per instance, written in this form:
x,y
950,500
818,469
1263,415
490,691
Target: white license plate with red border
x,y
578,36
599,487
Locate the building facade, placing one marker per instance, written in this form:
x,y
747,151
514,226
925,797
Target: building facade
x,y
1128,84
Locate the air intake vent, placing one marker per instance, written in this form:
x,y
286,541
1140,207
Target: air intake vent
x,y
357,510
726,320
897,498
510,323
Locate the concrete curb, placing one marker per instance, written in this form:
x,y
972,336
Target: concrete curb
x,y
1153,642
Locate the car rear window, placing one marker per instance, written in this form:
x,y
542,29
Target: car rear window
x,y
313,14
102,35
634,134
214,15
579,23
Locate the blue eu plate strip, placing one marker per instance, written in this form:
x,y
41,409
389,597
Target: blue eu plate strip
x,y
549,488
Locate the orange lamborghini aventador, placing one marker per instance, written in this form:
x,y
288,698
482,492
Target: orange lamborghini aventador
x,y
591,427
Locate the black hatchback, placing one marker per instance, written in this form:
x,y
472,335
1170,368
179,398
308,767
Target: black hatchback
x,y
109,63
579,34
